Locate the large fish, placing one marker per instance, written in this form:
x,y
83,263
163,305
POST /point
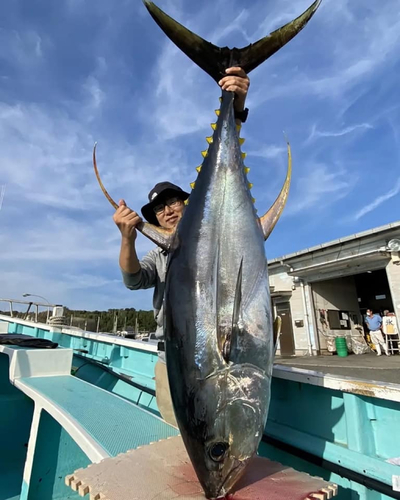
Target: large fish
x,y
218,321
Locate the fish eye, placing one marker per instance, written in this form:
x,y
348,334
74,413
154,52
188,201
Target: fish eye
x,y
217,451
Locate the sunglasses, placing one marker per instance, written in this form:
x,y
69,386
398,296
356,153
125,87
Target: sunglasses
x,y
171,203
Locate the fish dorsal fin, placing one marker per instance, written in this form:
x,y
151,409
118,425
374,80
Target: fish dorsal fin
x,y
269,220
231,339
164,238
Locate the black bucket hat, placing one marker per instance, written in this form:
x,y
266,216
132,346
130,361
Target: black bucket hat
x,y
161,192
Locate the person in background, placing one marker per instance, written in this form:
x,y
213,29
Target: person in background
x,y
374,325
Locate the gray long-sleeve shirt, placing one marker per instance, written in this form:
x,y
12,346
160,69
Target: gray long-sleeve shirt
x,y
152,274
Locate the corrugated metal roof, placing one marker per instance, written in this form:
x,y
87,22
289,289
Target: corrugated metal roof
x,y
355,236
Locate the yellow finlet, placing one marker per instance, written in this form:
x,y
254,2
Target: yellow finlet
x,y
253,200
192,185
238,128
214,126
241,141
244,155
186,202
246,170
209,140
204,154
250,185
198,169
217,112
220,99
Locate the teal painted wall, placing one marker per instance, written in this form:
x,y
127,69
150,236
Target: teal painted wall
x,y
16,411
56,456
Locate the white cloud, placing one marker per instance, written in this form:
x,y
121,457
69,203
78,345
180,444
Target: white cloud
x,y
315,133
179,106
21,47
45,158
89,292
378,201
85,281
233,26
95,93
2,194
322,186
268,152
345,52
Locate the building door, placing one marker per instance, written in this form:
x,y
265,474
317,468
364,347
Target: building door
x,y
286,338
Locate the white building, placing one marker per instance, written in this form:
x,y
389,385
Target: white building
x,y
325,290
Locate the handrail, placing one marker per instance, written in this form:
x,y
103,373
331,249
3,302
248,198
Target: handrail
x,y
30,303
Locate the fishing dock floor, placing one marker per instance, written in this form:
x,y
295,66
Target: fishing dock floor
x,y
368,367
163,470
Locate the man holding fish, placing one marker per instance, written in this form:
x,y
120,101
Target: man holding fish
x,y
165,209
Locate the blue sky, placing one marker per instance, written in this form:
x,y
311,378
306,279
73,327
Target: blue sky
x,y
78,71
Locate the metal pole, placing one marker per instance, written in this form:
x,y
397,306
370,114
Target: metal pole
x,y
40,297
306,322
27,311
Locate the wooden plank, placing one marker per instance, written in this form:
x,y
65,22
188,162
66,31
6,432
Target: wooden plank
x,y
163,470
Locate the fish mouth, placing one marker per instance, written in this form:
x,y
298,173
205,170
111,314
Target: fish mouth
x,y
231,479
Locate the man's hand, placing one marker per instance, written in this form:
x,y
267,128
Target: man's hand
x,y
237,81
126,220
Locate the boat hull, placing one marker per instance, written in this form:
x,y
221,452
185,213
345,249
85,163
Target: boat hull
x,y
332,427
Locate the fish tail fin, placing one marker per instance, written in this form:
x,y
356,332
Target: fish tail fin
x,y
268,221
215,60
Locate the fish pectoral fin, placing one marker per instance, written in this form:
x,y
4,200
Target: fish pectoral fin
x,y
277,331
232,338
99,180
215,60
164,238
269,220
